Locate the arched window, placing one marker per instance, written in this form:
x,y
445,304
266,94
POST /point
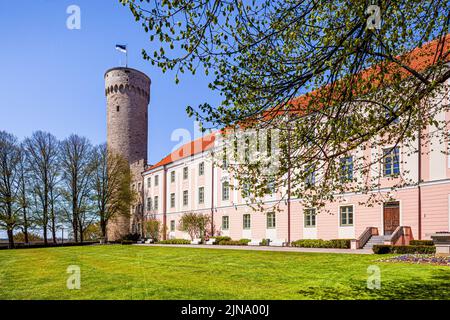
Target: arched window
x,y
118,108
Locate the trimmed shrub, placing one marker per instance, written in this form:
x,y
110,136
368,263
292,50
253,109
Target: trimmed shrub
x,y
127,242
421,243
245,241
319,243
174,241
340,243
383,249
230,243
219,239
264,242
242,242
132,237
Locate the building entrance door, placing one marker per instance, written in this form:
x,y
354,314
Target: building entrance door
x,y
391,216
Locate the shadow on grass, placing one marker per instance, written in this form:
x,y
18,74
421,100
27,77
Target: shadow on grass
x,y
435,288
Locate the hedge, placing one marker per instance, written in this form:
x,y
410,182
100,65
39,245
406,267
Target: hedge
x,y
319,243
421,243
242,242
49,245
220,239
383,249
174,241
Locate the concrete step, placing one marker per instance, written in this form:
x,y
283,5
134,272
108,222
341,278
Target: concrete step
x,y
374,240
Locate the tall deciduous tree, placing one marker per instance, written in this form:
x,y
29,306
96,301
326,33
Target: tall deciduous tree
x,y
76,157
111,186
42,152
365,84
24,198
10,163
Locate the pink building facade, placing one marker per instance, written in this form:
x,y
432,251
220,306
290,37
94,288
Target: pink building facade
x,y
188,181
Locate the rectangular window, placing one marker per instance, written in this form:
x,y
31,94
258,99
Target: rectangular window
x,y
185,173
310,218
346,213
149,204
271,220
201,169
225,190
346,169
155,203
391,162
392,114
245,190
185,198
172,225
310,179
149,182
271,186
172,177
156,180
246,221
225,222
201,195
225,161
172,200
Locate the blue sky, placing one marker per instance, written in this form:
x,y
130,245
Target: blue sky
x,y
52,77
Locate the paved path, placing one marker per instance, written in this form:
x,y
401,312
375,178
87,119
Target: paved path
x,y
263,248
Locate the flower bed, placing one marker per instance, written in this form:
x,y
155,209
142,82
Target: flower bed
x,y
419,258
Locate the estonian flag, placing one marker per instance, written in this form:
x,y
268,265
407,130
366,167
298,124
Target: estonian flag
x,y
121,48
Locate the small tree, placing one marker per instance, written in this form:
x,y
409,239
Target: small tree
x,y
195,224
152,228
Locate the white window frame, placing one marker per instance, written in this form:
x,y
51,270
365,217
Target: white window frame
x,y
201,195
308,218
185,197
353,216
244,216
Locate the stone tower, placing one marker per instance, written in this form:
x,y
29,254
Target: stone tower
x,y
127,97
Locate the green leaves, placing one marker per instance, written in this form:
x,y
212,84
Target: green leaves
x,y
262,55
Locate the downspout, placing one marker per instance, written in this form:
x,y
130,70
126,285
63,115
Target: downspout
x,y
289,187
164,203
212,198
419,195
289,204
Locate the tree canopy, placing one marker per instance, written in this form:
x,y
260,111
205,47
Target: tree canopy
x,y
332,81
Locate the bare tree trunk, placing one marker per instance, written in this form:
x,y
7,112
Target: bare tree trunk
x,y
53,219
81,230
10,239
103,229
25,225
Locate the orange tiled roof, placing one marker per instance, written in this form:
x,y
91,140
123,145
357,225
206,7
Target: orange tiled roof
x,y
418,59
189,149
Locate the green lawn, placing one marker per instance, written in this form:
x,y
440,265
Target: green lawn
x,y
135,272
